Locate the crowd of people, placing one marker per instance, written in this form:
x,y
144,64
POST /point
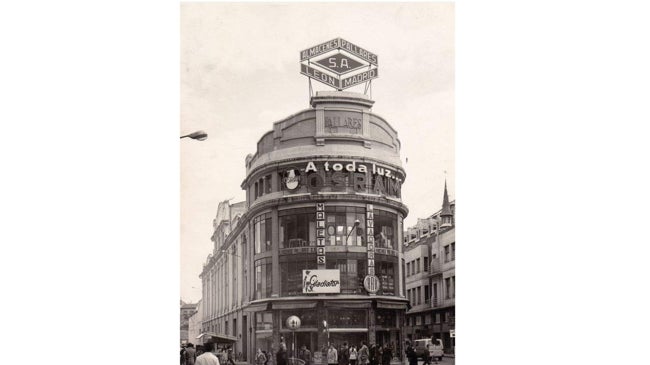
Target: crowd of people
x,y
344,354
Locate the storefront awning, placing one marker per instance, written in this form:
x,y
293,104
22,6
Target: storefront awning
x,y
354,304
216,337
259,307
391,305
294,305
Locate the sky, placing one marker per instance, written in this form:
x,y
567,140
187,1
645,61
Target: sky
x,y
239,72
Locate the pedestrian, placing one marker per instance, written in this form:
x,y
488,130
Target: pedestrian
x,y
386,355
373,358
281,356
190,354
305,355
207,357
411,355
364,354
344,356
425,355
260,358
268,357
183,353
230,360
353,355
332,356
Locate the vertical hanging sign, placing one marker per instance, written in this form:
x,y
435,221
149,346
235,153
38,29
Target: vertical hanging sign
x,y
320,235
371,282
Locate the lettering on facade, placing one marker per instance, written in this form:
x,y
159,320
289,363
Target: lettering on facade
x,y
343,124
347,176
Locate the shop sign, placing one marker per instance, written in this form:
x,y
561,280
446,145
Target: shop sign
x,y
339,57
321,281
452,333
371,283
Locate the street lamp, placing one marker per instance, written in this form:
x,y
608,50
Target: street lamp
x,y
356,224
198,135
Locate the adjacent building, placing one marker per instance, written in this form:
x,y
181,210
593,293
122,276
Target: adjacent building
x,y
187,310
430,254
319,235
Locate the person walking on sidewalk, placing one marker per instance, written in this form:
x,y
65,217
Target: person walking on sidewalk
x,y
411,355
332,356
353,355
207,358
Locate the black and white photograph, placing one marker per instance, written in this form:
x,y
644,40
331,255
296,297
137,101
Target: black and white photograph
x,y
276,183
317,183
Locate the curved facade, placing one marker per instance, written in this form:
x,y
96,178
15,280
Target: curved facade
x,y
319,237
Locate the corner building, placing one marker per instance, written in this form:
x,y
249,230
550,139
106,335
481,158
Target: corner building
x,y
319,238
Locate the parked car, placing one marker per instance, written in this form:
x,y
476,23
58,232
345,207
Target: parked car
x,y
436,349
421,347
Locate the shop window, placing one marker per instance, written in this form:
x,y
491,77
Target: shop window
x,y
385,318
347,318
263,229
263,278
385,229
340,229
297,227
308,317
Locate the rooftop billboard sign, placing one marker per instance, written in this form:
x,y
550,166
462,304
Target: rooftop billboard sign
x,y
328,61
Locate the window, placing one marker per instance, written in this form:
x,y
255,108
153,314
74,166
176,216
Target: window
x,y
408,269
352,274
453,286
447,255
408,295
263,278
448,288
257,192
437,317
426,264
267,184
291,275
340,228
417,266
347,318
419,298
413,267
434,293
385,318
453,251
385,271
262,224
385,228
297,227
427,296
264,321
